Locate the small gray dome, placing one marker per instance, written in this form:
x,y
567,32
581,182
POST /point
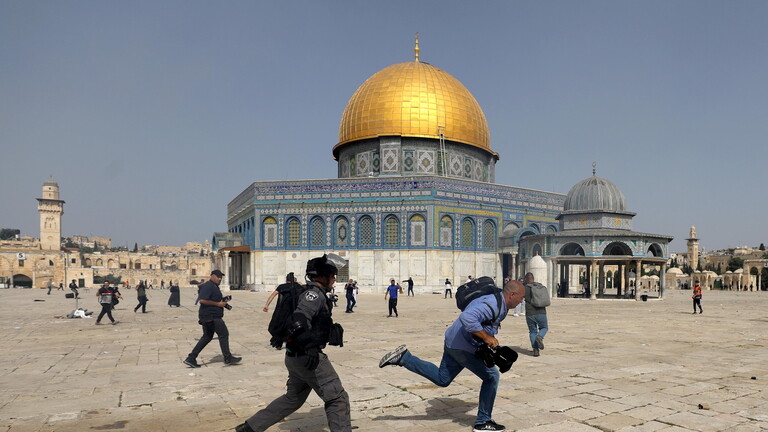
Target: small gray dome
x,y
595,193
50,182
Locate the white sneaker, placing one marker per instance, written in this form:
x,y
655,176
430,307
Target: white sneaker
x,y
514,314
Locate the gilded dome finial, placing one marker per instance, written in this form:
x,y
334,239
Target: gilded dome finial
x,y
416,48
594,165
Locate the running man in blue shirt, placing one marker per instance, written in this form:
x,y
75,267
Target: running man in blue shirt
x,y
475,326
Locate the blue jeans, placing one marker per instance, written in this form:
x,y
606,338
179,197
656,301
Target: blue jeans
x,y
537,326
452,363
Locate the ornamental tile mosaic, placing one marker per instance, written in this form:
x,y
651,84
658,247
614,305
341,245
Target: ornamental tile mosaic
x,y
467,167
344,167
478,175
364,163
455,165
390,161
409,161
375,162
426,162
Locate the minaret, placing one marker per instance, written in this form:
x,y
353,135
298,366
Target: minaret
x,y
693,249
50,208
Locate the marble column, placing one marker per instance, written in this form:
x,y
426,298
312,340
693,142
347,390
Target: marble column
x,y
601,278
592,280
662,279
225,268
638,275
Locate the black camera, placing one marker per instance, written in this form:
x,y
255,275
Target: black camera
x,y
226,299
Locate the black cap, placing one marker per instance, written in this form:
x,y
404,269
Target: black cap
x,y
218,273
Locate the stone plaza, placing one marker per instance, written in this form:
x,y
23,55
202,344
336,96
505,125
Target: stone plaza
x,y
609,365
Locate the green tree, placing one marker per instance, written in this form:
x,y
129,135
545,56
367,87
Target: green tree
x,y
762,247
9,233
135,247
735,263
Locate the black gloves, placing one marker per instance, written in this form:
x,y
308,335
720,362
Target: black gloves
x,y
313,358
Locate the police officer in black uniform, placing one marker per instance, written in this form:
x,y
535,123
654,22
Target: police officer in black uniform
x,y
308,367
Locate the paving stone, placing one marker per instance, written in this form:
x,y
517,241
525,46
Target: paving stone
x,y
607,366
698,422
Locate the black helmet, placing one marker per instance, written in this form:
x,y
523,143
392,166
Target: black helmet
x,y
326,265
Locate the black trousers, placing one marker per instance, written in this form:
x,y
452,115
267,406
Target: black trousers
x,y
142,304
351,302
106,308
697,302
217,326
448,293
410,292
393,306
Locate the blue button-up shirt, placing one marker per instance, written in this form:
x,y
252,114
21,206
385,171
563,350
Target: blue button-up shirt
x,y
459,336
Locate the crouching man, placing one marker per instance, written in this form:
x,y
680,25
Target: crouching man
x,y
478,324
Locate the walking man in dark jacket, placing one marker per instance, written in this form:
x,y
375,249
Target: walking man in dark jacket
x,y
211,316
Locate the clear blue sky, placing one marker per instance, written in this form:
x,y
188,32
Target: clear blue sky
x,y
153,115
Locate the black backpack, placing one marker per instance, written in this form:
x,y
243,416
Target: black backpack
x,y
475,289
283,314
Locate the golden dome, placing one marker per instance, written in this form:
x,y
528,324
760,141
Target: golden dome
x,y
414,99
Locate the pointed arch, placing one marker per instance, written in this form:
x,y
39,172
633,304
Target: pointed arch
x,y
446,231
366,231
391,231
468,233
341,232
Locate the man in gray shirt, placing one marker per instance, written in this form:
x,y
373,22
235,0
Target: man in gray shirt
x,y
535,317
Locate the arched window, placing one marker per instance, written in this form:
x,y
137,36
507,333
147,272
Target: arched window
x,y
489,235
418,230
341,232
391,231
293,232
269,232
617,248
467,233
654,250
99,262
366,231
317,232
572,249
446,231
